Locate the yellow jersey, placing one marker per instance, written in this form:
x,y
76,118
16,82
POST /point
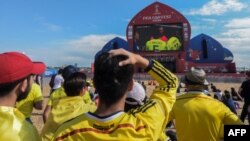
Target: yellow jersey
x,y
14,127
26,105
57,94
145,123
200,117
86,97
60,93
63,110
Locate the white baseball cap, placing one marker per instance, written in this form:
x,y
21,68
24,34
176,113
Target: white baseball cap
x,y
137,94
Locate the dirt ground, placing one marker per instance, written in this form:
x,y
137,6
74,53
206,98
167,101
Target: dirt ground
x,y
37,115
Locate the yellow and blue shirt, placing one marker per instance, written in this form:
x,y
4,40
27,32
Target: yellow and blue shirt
x,y
63,110
143,123
26,105
14,127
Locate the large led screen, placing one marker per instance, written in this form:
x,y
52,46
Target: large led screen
x,y
158,38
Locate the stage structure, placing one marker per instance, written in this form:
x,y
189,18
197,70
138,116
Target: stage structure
x,y
162,33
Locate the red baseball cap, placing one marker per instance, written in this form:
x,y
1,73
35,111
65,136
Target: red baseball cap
x,y
15,66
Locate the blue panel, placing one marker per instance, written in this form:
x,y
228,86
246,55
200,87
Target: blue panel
x,y
114,44
205,49
49,72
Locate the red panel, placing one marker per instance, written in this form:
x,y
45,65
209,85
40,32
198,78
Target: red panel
x,y
180,65
231,67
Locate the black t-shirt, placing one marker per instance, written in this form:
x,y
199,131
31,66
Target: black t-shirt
x,y
245,93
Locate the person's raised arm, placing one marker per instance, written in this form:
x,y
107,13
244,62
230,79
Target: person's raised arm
x,y
46,113
133,59
157,109
168,82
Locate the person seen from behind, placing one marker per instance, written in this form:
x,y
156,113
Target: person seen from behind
x,y
228,101
15,84
68,107
58,81
135,99
199,117
244,91
235,95
33,100
60,92
218,94
113,79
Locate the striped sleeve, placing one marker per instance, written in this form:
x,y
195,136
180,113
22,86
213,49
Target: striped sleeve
x,y
162,75
163,98
168,83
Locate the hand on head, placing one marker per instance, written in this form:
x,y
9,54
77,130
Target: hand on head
x,y
133,59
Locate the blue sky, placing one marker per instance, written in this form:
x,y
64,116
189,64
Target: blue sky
x,y
62,32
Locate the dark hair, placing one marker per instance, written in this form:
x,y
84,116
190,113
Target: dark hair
x,y
60,71
68,70
6,88
227,94
74,84
216,97
111,81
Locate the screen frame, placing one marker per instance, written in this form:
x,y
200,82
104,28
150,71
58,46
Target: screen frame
x,y
153,27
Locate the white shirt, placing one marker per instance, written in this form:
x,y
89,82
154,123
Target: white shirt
x,y
219,95
58,81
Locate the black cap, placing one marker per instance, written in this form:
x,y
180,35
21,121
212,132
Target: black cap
x,y
68,70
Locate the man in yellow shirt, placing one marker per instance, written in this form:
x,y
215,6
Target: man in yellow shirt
x,y
15,84
200,117
113,79
58,93
70,106
34,99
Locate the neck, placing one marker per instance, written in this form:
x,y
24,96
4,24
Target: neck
x,y
104,110
195,88
8,100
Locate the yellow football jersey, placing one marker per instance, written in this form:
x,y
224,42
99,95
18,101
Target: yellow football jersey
x,y
14,127
57,94
60,93
63,110
200,117
26,105
143,123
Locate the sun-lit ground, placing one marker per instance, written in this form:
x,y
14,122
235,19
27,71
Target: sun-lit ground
x,y
37,115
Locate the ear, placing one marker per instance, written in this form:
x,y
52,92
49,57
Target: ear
x,y
84,89
131,84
